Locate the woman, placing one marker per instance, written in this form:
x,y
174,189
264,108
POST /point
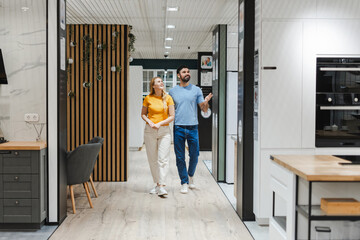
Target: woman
x,y
158,111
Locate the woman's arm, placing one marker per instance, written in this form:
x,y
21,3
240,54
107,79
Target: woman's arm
x,y
144,112
170,117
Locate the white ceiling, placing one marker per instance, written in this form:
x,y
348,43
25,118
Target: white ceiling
x,y
194,22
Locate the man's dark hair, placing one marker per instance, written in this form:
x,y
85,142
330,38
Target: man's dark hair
x,y
180,68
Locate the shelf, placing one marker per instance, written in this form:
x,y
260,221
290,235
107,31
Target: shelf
x,y
318,214
281,221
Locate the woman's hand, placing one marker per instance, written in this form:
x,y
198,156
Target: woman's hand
x,y
156,126
151,124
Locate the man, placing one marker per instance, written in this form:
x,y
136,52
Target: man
x,y
186,97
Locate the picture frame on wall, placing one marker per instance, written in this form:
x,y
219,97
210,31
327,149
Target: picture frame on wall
x,y
206,62
206,80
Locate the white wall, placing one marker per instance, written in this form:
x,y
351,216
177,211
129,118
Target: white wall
x,y
326,27
23,44
136,130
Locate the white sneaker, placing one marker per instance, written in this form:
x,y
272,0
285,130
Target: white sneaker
x,y
184,188
191,182
162,191
154,190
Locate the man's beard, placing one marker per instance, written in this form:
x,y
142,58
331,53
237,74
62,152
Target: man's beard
x,y
186,79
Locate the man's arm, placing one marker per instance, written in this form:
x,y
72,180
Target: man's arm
x,y
204,106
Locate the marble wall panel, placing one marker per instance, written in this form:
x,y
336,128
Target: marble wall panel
x,y
23,43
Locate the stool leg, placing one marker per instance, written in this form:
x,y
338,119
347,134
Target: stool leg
x,y
88,194
72,198
93,187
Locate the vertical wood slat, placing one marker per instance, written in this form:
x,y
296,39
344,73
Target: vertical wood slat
x,y
68,87
108,80
104,104
101,159
72,99
95,97
101,109
86,91
113,126
127,67
81,60
91,80
77,81
122,104
118,110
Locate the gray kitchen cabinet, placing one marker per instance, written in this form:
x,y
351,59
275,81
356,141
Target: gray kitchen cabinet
x,y
23,188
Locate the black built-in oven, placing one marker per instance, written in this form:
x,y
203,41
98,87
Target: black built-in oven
x,y
337,102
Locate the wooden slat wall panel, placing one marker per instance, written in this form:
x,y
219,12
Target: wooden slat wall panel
x,y
101,109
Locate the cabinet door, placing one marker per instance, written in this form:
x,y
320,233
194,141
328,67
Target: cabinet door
x,y
281,88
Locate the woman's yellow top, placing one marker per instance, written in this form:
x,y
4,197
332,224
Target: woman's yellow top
x,y
155,106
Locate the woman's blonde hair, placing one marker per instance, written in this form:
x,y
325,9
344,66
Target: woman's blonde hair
x,y
163,94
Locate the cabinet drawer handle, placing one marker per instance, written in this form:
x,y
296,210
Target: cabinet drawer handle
x,y
269,68
16,202
16,153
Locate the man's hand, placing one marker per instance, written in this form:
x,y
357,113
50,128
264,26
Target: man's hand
x,y
205,104
208,97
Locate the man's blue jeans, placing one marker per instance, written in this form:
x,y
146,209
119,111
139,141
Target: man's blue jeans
x,y
191,134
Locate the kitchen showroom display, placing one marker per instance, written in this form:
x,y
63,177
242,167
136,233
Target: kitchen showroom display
x,y
337,102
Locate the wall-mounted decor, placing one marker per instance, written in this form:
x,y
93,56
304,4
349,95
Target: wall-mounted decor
x,y
206,62
99,108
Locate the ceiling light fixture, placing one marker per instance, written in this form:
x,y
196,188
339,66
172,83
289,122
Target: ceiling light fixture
x,y
24,9
169,38
173,9
168,47
170,26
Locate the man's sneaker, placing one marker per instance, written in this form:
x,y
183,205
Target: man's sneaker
x,y
154,190
184,188
191,182
162,191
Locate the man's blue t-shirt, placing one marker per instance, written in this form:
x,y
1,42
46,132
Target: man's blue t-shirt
x,y
186,100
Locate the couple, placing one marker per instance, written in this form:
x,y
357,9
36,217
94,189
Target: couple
x,y
158,111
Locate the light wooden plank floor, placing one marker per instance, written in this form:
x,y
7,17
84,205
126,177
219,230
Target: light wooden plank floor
x,y
127,211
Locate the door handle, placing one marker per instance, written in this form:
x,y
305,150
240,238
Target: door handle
x,y
339,107
269,68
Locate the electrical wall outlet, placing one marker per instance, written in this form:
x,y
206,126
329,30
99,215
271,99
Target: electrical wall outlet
x,y
31,117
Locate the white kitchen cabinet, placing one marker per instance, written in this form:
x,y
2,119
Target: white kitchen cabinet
x,y
281,85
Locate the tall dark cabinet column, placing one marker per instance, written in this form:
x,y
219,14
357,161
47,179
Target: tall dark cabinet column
x,y
62,96
219,102
205,66
245,158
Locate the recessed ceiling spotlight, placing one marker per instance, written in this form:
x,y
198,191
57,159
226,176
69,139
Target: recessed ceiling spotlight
x,y
167,47
24,9
173,9
170,26
169,38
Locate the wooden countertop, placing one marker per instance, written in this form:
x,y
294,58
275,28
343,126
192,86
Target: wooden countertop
x,y
319,167
14,145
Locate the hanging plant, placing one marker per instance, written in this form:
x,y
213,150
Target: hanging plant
x,y
99,59
86,52
68,69
132,39
102,46
115,35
